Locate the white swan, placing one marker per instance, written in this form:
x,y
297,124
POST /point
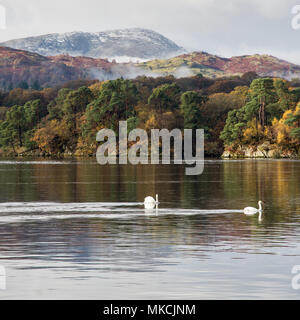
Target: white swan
x,y
250,211
151,203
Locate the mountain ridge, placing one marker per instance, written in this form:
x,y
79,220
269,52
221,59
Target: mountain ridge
x,y
17,66
136,43
215,66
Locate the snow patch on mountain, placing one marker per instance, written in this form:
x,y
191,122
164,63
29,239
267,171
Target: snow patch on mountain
x,y
135,43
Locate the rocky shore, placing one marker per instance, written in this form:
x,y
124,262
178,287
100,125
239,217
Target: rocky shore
x,y
265,150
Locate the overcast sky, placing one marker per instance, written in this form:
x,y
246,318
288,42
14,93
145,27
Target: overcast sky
x,y
223,27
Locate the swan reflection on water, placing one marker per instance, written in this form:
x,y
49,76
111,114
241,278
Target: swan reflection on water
x,y
251,211
12,212
150,204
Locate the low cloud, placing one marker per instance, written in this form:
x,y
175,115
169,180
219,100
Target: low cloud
x,y
182,72
126,71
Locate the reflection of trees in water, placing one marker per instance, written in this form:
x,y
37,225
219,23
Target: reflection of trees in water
x,y
14,183
223,185
274,182
145,239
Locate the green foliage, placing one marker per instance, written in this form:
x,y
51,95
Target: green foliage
x,y
55,107
295,94
14,126
295,133
132,123
262,93
36,85
18,126
64,120
115,102
268,101
3,111
191,102
34,112
23,85
293,120
286,99
165,98
232,132
77,101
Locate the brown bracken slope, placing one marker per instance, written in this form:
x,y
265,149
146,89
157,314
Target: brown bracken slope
x,y
17,66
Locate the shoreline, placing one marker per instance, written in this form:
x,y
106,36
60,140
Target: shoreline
x,y
86,157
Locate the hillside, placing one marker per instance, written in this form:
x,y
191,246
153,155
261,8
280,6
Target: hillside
x,y
122,44
214,66
18,66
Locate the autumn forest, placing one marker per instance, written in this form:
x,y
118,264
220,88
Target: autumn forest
x,y
242,115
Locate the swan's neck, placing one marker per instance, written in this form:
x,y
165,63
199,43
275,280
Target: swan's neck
x,y
260,207
157,198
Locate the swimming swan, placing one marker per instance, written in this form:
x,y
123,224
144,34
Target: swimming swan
x,y
249,211
150,202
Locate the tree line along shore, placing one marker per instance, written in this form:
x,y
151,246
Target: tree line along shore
x,y
243,116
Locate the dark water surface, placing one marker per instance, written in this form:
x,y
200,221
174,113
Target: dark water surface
x,y
75,229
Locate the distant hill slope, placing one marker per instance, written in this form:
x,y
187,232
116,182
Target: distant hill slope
x,y
214,66
135,43
18,66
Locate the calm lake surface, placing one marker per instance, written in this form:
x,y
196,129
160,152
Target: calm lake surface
x,y
76,230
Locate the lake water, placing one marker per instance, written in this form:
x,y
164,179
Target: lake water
x,y
74,229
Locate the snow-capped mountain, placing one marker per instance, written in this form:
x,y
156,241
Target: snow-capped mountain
x,y
123,44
